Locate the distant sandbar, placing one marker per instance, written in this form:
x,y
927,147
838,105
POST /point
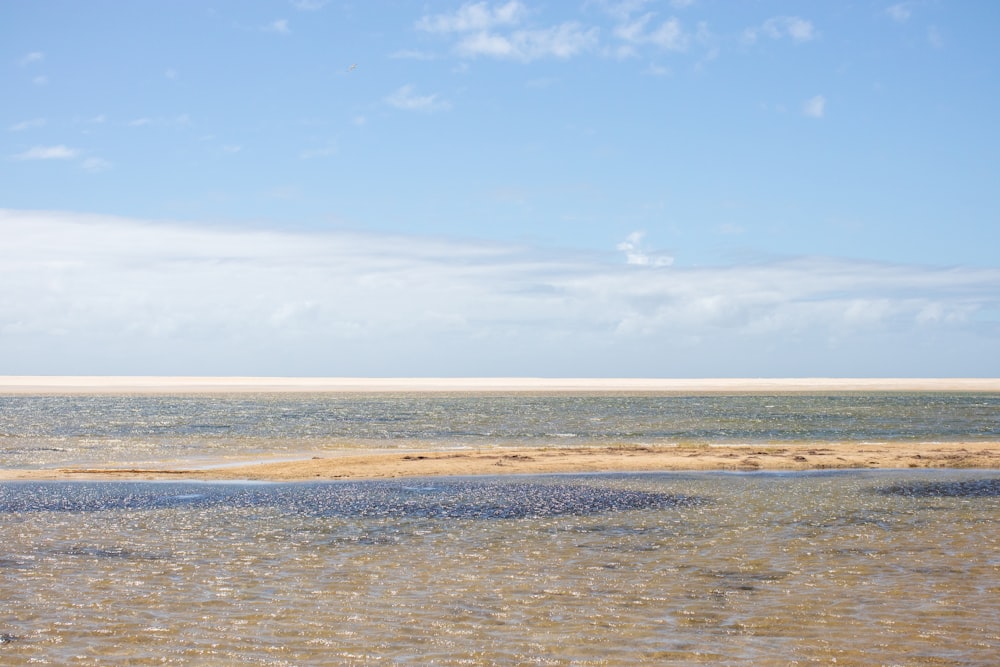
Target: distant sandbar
x,y
165,385
546,460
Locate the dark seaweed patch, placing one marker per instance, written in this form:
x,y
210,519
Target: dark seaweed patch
x,y
453,499
95,497
968,488
112,553
484,500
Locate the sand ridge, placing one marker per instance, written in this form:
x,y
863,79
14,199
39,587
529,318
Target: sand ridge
x,y
13,384
543,460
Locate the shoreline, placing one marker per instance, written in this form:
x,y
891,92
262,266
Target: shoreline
x,y
30,385
554,460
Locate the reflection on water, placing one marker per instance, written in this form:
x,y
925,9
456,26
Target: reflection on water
x,y
95,430
862,567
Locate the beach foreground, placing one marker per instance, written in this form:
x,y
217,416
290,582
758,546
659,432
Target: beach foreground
x,y
540,460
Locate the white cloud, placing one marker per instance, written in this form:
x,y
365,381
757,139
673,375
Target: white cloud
x,y
900,12
621,10
474,16
27,125
279,27
814,107
489,30
562,41
33,57
778,27
206,299
635,254
405,98
40,80
668,35
59,152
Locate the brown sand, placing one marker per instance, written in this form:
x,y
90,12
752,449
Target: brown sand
x,y
626,458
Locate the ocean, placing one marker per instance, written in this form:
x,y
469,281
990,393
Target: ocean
x,y
732,568
94,430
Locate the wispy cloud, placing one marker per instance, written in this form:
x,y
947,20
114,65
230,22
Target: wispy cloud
x,y
180,120
407,99
900,12
106,289
33,57
562,41
779,27
492,31
90,163
27,125
475,16
323,150
279,27
814,107
309,5
59,152
95,164
935,38
668,35
412,54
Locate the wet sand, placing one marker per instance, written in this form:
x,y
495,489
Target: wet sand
x,y
498,461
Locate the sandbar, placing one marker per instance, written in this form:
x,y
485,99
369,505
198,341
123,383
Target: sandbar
x,y
547,460
23,384
522,460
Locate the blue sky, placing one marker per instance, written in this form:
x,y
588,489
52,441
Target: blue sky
x,y
513,188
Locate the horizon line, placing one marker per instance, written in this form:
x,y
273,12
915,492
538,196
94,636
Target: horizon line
x,y
247,384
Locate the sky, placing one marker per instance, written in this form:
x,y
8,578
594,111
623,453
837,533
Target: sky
x,y
588,188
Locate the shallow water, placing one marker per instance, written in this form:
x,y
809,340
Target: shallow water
x,y
861,567
51,431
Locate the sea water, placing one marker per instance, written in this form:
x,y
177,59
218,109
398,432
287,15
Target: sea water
x,y
53,431
857,567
